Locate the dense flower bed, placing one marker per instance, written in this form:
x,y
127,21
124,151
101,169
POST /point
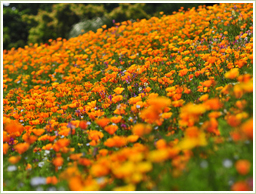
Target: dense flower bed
x,y
158,104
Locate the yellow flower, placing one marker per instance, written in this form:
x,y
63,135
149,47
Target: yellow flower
x,y
124,170
129,187
159,102
232,74
158,155
118,90
193,137
143,167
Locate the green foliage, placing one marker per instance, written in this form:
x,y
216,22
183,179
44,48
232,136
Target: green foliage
x,y
127,11
89,11
14,33
59,22
51,25
39,22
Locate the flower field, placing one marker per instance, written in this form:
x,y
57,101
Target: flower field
x,y
164,104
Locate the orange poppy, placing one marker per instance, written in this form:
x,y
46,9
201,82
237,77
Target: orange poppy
x,y
21,147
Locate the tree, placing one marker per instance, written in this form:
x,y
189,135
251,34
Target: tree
x,y
15,31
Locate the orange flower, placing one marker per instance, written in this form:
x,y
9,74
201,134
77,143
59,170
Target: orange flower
x,y
84,161
141,129
58,161
116,119
116,141
166,115
14,159
47,146
183,72
83,125
132,138
38,132
247,128
178,103
117,98
118,90
161,144
111,129
75,184
211,60
75,156
95,136
204,97
176,97
60,144
5,148
207,83
103,152
29,138
21,147
64,131
213,104
6,137
28,167
14,128
51,180
98,170
213,126
159,102
214,114
103,122
240,186
232,74
134,100
243,167
233,120
150,114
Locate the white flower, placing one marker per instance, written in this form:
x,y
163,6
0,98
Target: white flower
x,y
38,181
11,168
137,106
227,163
204,164
41,164
46,152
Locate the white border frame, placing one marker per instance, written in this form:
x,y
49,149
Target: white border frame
x,y
130,1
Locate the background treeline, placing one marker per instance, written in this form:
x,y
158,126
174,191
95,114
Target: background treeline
x,y
26,23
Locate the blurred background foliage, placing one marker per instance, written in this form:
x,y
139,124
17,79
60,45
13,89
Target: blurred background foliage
x,y
25,23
